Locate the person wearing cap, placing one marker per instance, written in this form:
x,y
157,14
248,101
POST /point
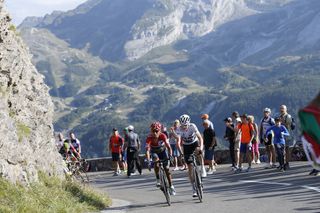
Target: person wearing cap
x,y
209,140
206,117
267,122
287,120
279,132
115,148
247,135
133,145
229,136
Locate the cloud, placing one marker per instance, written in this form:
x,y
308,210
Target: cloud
x,y
20,9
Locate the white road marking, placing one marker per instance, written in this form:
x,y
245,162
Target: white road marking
x,y
317,189
263,182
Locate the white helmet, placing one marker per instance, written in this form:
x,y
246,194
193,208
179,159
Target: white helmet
x,y
184,119
130,128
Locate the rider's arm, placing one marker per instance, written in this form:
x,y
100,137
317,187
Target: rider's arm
x,y
200,140
178,144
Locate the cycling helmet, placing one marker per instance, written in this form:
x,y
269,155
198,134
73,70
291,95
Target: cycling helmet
x,y
155,126
130,128
205,116
267,110
184,119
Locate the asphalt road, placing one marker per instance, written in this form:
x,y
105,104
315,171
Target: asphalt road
x,y
261,190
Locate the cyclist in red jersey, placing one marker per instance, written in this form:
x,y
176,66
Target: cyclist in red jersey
x,y
157,146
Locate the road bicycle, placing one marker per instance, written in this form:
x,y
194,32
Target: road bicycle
x,y
78,170
164,183
197,180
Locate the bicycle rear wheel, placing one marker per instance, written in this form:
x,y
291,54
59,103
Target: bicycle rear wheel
x,y
198,183
165,186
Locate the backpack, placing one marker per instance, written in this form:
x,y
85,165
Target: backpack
x,y
293,123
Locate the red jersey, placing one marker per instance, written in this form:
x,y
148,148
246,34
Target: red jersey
x,y
246,132
156,143
116,143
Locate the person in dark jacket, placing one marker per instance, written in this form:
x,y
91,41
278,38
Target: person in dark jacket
x,y
132,144
229,136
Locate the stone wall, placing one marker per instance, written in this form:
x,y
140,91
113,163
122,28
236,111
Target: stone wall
x,y
26,110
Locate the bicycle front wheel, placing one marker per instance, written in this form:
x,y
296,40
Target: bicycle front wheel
x,y
198,183
165,186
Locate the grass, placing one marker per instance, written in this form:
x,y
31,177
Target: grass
x,y
50,194
23,131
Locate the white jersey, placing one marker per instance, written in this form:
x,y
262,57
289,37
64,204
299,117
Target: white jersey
x,y
188,136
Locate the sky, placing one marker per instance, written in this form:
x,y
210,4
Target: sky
x,y
20,9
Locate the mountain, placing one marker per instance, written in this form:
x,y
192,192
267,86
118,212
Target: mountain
x,y
27,145
111,63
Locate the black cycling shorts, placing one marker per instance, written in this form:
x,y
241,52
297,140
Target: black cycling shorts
x,y
188,150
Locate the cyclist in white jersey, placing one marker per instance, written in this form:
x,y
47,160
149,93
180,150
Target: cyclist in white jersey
x,y
189,136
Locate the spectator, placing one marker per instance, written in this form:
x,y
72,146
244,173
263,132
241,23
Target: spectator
x,y
210,142
286,120
229,136
255,141
173,143
267,122
247,135
75,142
237,142
59,142
115,147
133,145
279,131
206,117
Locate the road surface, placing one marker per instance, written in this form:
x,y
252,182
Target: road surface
x,y
261,190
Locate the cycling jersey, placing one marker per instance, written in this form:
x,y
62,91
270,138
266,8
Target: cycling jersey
x,y
75,143
156,144
189,135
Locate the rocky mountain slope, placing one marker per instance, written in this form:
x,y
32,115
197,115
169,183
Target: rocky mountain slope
x,y
26,110
110,63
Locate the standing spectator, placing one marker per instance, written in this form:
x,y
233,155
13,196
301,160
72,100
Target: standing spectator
x,y
206,117
279,131
115,147
229,136
255,141
247,135
237,137
210,142
173,144
286,120
267,122
59,142
75,142
123,160
132,143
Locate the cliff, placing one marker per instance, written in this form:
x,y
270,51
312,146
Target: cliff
x,y
26,111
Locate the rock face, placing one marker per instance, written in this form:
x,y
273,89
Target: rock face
x,y
26,110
